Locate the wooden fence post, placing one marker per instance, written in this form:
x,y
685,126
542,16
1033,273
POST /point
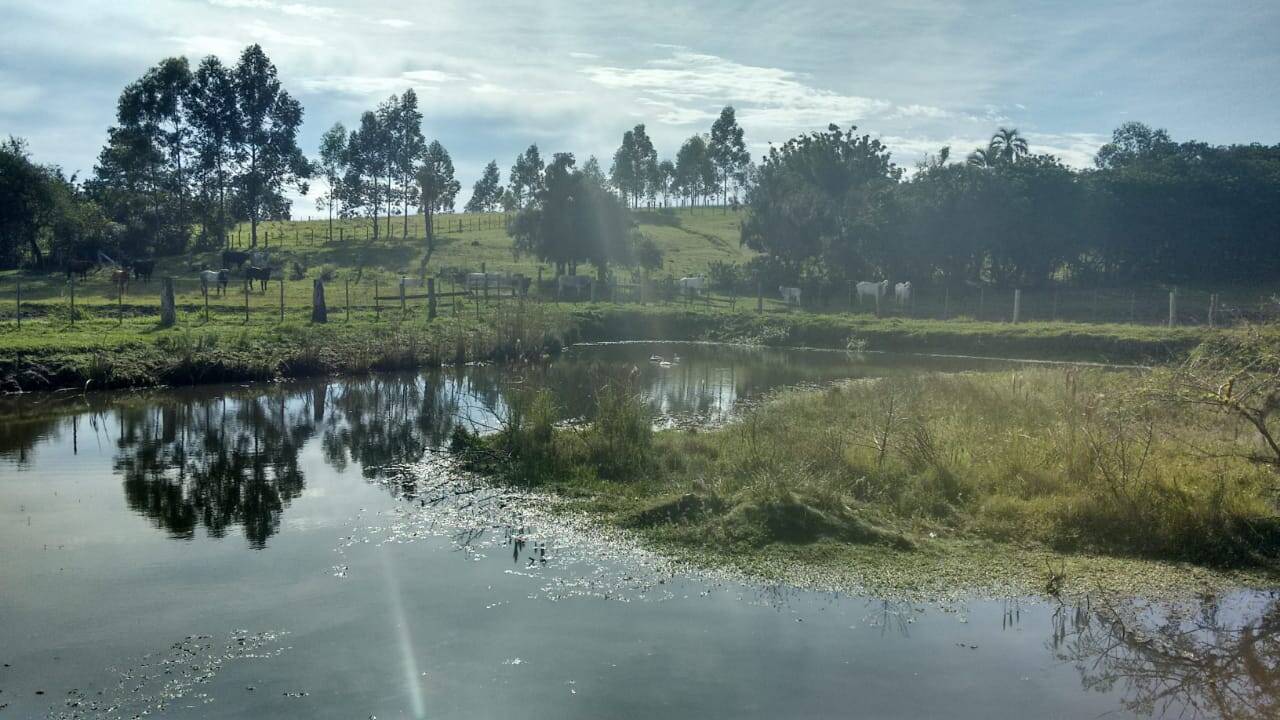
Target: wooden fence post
x,y
347,285
982,296
73,299
759,296
1213,305
319,313
246,300
946,302
204,289
18,312
281,299
1173,307
431,299
377,306
1017,304
168,309
402,295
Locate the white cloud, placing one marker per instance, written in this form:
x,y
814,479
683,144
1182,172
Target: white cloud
x,y
395,23
295,9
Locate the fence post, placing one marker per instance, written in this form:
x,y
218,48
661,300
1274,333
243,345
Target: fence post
x,y
319,313
982,296
377,308
246,300
347,285
1017,304
759,296
431,299
204,289
168,309
402,295
18,311
120,306
946,302
878,294
1173,306
281,299
483,271
73,299
1213,305
1055,304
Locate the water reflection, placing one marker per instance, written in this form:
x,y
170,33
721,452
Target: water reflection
x,y
1211,659
215,463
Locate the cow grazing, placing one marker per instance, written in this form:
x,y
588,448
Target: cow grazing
x,y
692,285
142,269
234,258
216,278
476,282
79,267
789,295
902,293
874,290
260,274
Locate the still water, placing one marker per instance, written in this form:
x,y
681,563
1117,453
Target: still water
x,y
296,550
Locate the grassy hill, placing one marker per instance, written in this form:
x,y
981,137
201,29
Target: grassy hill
x,y
689,239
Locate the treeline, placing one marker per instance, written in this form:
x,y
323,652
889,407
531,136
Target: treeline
x,y
831,207
195,152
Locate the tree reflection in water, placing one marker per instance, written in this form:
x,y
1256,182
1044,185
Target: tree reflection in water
x,y
1214,659
214,462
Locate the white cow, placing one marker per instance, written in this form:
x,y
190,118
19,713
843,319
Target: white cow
x,y
874,290
789,294
477,282
217,278
902,293
692,285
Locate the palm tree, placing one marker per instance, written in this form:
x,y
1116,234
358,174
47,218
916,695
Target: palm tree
x,y
1009,144
987,157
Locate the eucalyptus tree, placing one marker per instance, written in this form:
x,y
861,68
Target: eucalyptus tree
x,y
269,158
437,189
140,177
333,164
214,118
409,145
486,191
728,151
525,179
695,171
635,164
363,190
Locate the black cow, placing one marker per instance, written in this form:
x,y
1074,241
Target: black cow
x,y
234,258
261,274
142,269
79,267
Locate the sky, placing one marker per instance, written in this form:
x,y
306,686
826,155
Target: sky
x,y
493,77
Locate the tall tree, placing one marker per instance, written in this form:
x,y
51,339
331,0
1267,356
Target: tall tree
x,y
525,179
270,158
727,149
438,189
214,117
366,163
695,171
1009,145
409,146
484,194
333,163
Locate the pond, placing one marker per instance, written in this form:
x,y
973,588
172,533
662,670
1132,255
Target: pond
x,y
300,550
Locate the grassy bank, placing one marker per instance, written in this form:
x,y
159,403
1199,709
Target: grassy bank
x,y
54,353
933,472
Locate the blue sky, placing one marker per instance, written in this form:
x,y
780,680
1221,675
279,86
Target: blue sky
x,y
569,75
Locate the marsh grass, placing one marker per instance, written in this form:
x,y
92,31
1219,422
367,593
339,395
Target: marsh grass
x,y
1064,458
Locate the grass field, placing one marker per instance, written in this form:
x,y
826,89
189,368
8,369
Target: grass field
x,y
1083,462
114,339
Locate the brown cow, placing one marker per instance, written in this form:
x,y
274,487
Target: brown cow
x,y
261,274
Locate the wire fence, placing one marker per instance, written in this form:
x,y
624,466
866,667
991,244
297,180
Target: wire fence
x,y
202,298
